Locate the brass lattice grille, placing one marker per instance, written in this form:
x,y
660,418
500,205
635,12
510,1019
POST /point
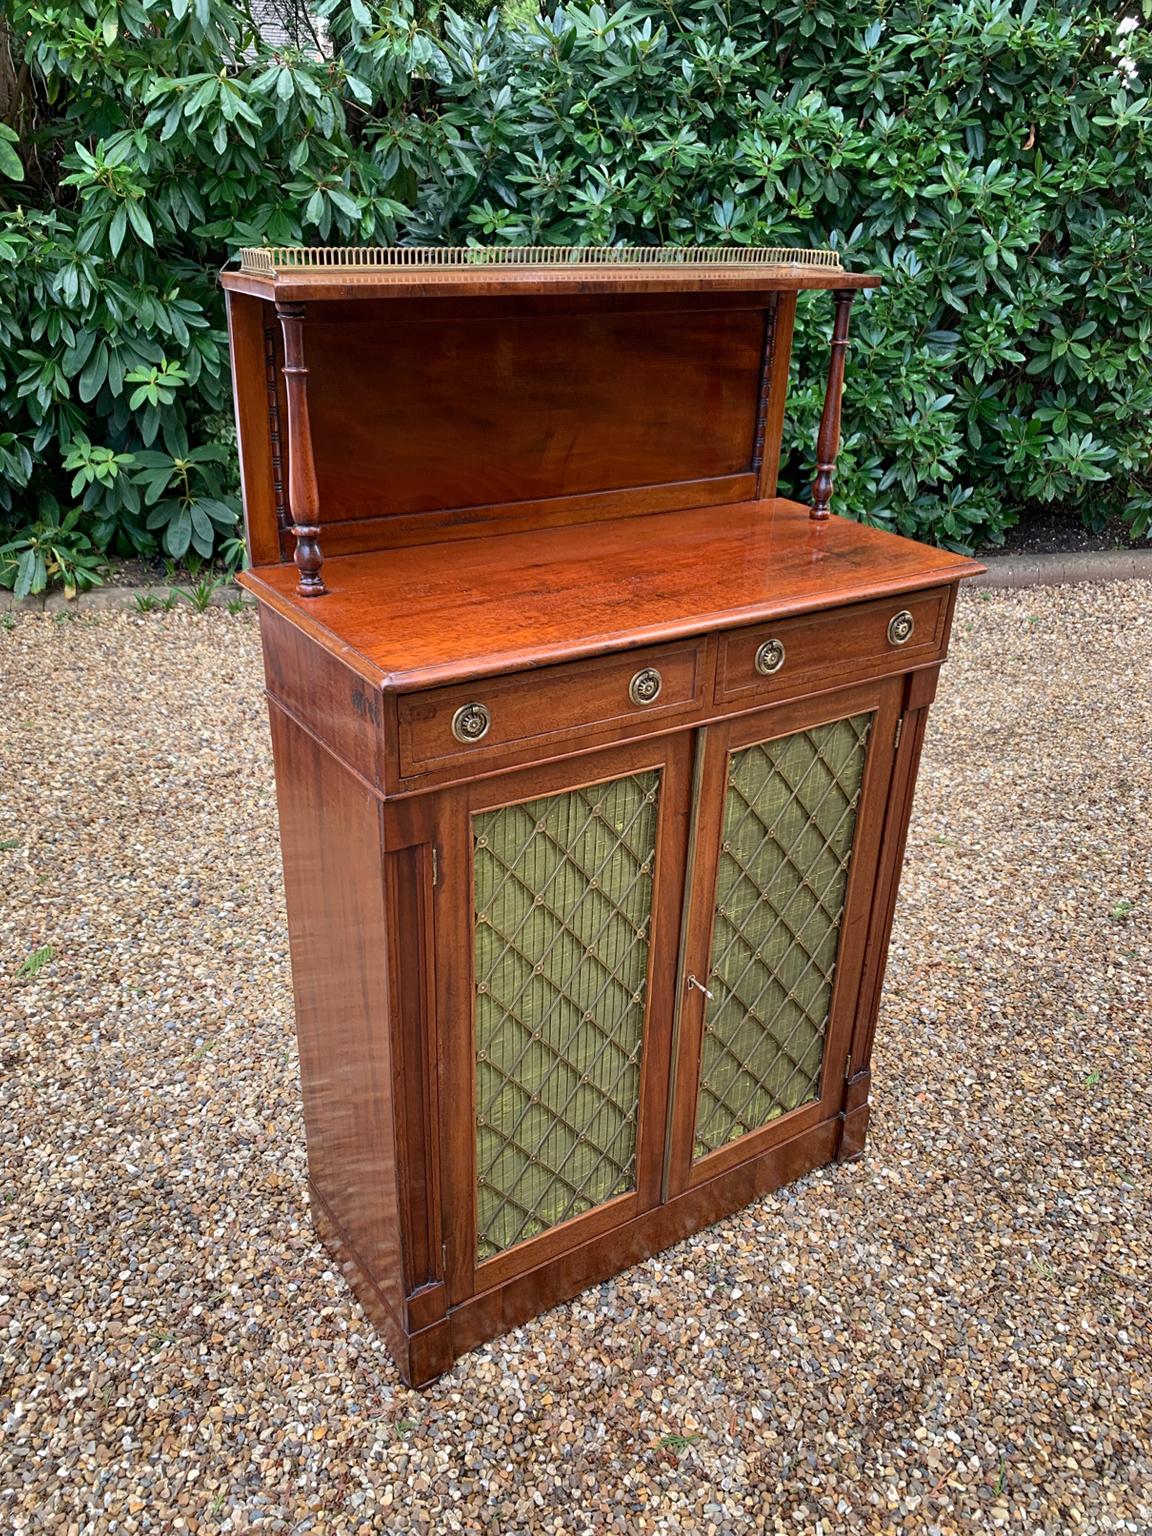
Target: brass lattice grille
x,y
563,894
789,820
271,260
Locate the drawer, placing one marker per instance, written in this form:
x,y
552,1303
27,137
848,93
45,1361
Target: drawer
x,y
494,717
823,650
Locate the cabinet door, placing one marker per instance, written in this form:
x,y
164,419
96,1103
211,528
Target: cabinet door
x,y
558,918
785,840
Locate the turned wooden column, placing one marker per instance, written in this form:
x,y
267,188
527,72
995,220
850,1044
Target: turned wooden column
x,y
828,443
303,496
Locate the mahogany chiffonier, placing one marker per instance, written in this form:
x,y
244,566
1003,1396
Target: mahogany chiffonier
x,y
594,756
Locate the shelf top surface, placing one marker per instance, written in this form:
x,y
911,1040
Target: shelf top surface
x,y
424,615
300,274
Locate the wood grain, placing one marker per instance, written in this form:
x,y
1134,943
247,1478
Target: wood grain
x,y
555,702
444,613
496,282
332,700
247,319
495,411
776,396
338,939
303,493
822,649
828,440
390,530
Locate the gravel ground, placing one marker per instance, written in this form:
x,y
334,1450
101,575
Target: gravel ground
x,y
950,1336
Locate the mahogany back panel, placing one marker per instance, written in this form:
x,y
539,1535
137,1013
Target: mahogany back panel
x,y
436,420
493,411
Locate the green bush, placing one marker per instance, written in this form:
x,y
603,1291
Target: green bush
x,y
991,157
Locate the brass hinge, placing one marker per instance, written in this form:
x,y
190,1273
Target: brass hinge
x,y
435,865
848,1068
899,733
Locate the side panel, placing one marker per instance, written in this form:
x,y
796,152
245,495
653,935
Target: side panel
x,y
921,689
775,395
262,465
341,705
337,926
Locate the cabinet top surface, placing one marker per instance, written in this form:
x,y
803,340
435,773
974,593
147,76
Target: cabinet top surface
x,y
300,274
428,614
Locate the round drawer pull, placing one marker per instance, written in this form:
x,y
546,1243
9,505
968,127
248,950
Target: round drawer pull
x,y
470,723
900,627
770,657
646,686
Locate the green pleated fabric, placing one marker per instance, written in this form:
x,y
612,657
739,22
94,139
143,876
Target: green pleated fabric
x,y
563,902
789,822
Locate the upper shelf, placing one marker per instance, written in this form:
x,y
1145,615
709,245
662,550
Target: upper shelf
x,y
293,274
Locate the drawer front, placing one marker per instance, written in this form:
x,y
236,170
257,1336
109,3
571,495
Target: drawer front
x,y
823,650
493,718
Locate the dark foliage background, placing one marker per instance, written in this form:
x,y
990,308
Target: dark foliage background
x,y
991,157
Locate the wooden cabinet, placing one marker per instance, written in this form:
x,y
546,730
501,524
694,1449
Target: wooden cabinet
x,y
594,756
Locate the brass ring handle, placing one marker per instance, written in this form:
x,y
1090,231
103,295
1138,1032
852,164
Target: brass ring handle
x,y
646,686
470,723
900,627
770,657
